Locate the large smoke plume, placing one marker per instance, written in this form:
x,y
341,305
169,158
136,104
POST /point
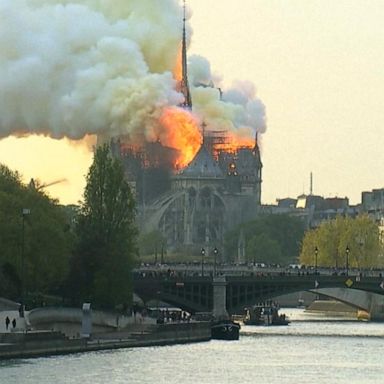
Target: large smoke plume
x,y
75,67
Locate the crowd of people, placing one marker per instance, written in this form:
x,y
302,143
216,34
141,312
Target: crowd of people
x,y
172,316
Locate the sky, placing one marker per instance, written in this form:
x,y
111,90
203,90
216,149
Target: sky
x,y
318,68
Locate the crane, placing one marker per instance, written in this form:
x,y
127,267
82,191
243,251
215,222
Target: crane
x,y
37,186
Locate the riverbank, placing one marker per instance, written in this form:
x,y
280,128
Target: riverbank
x,y
45,343
332,307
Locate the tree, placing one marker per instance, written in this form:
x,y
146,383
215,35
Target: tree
x,y
40,240
360,235
152,243
106,247
274,238
262,249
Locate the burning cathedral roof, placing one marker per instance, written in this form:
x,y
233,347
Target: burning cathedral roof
x,y
202,166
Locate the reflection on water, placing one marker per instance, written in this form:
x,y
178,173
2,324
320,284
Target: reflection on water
x,y
318,352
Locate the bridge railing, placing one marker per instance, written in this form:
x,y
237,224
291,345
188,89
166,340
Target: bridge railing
x,y
184,270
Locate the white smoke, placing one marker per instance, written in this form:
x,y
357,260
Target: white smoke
x,y
71,68
75,67
236,109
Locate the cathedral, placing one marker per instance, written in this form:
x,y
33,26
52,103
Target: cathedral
x,y
193,207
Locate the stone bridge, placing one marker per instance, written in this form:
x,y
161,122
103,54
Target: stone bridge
x,y
203,294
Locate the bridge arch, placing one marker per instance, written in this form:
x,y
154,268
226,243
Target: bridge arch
x,y
195,294
371,302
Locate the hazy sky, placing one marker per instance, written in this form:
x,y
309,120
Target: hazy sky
x,y
318,68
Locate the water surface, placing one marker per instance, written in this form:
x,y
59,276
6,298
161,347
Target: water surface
x,y
315,351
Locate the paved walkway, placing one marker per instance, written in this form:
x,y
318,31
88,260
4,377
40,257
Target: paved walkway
x,y
121,321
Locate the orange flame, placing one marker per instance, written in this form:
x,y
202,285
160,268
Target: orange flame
x,y
231,142
237,141
182,133
178,70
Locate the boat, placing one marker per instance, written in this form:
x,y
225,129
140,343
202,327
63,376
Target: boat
x,y
225,330
300,303
265,315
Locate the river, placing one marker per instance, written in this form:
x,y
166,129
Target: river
x,y
310,350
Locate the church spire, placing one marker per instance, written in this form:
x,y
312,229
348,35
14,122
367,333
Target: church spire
x,y
184,80
256,154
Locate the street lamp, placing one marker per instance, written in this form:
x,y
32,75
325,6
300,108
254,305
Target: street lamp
x,y
316,253
215,253
162,254
347,250
202,261
25,212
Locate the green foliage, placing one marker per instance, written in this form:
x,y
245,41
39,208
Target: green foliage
x,y
10,283
360,235
106,248
269,239
262,248
44,232
151,243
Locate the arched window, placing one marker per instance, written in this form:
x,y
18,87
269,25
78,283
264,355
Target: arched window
x,y
205,198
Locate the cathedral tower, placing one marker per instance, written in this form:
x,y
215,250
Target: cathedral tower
x,y
184,87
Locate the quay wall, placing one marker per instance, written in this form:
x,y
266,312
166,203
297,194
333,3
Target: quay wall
x,y
68,320
163,334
